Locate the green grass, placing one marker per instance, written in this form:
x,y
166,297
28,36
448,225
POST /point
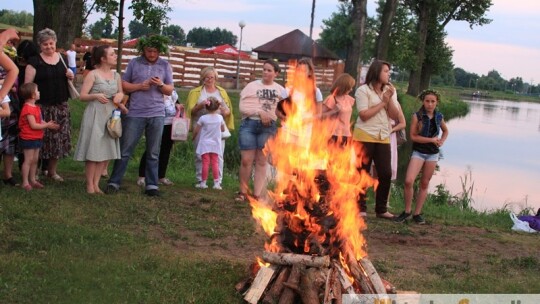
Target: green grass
x,y
60,245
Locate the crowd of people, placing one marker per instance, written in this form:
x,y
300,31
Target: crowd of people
x,y
36,120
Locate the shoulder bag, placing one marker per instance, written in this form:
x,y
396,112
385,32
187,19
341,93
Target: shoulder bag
x,y
73,93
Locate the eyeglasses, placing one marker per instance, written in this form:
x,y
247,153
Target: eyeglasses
x,y
209,77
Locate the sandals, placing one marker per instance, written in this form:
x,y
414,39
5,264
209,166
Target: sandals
x,y
387,216
240,197
37,185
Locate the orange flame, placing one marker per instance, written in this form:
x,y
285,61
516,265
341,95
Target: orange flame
x,y
300,152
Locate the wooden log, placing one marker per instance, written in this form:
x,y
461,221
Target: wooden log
x,y
272,295
356,271
311,281
372,275
260,282
346,283
296,259
287,297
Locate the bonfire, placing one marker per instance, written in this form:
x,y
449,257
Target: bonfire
x,y
315,251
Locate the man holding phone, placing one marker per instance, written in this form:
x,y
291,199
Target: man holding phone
x,y
147,78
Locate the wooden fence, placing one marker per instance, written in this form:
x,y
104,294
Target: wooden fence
x,y
187,65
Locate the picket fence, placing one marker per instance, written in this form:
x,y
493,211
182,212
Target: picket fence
x,y
187,65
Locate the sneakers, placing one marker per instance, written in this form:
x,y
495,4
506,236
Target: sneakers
x,y
152,192
402,217
140,181
419,219
217,186
165,181
201,185
111,189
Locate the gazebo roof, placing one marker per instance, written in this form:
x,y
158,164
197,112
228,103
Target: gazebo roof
x,y
295,44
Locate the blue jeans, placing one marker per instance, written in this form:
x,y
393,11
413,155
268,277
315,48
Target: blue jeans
x,y
132,130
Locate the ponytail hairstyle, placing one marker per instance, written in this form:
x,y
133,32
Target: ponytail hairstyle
x,y
211,104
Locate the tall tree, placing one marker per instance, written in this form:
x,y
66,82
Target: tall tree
x,y
20,19
138,29
437,14
49,13
175,33
103,28
383,39
150,12
360,17
204,37
312,17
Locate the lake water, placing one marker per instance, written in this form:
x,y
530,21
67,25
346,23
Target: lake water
x,y
498,142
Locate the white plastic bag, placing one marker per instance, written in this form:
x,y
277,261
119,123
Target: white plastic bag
x,y
520,225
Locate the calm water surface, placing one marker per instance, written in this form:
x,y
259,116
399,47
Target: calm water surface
x,y
498,142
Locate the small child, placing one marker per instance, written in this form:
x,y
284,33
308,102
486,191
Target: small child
x,y
209,128
426,126
31,134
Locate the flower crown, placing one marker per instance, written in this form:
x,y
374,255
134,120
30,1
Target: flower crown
x,y
424,93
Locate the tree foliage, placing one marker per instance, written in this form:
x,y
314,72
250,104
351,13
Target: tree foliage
x,y
175,33
20,19
138,29
204,37
103,28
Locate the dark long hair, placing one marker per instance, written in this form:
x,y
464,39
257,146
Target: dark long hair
x,y
375,70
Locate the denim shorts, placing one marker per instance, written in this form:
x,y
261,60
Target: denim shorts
x,y
425,157
253,135
30,144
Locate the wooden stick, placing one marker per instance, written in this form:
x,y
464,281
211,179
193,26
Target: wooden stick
x,y
344,278
373,276
296,259
328,295
287,297
272,295
260,282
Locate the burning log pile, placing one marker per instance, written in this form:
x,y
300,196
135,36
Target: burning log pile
x,y
315,250
312,265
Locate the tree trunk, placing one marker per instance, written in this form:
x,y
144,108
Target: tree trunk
x,y
423,23
425,77
120,36
383,40
64,17
312,17
359,19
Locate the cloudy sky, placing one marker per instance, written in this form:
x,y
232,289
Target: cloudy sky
x,y
510,44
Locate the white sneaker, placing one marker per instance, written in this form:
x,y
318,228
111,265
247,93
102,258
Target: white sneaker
x,y
217,186
140,182
201,185
165,181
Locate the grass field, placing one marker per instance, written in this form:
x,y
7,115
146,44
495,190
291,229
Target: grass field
x,y
61,245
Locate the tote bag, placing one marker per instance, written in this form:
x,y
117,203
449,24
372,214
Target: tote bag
x,y
180,126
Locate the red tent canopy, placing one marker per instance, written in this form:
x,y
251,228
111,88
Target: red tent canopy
x,y
225,49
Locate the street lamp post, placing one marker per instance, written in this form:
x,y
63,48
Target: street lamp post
x,y
241,24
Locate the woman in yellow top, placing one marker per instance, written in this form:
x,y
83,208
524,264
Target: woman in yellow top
x,y
376,101
195,108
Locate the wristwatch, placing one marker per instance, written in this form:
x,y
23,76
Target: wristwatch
x,y
161,85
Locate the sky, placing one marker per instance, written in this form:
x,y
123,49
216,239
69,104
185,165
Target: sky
x,y
510,44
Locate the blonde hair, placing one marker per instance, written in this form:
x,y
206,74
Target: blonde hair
x,y
207,70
